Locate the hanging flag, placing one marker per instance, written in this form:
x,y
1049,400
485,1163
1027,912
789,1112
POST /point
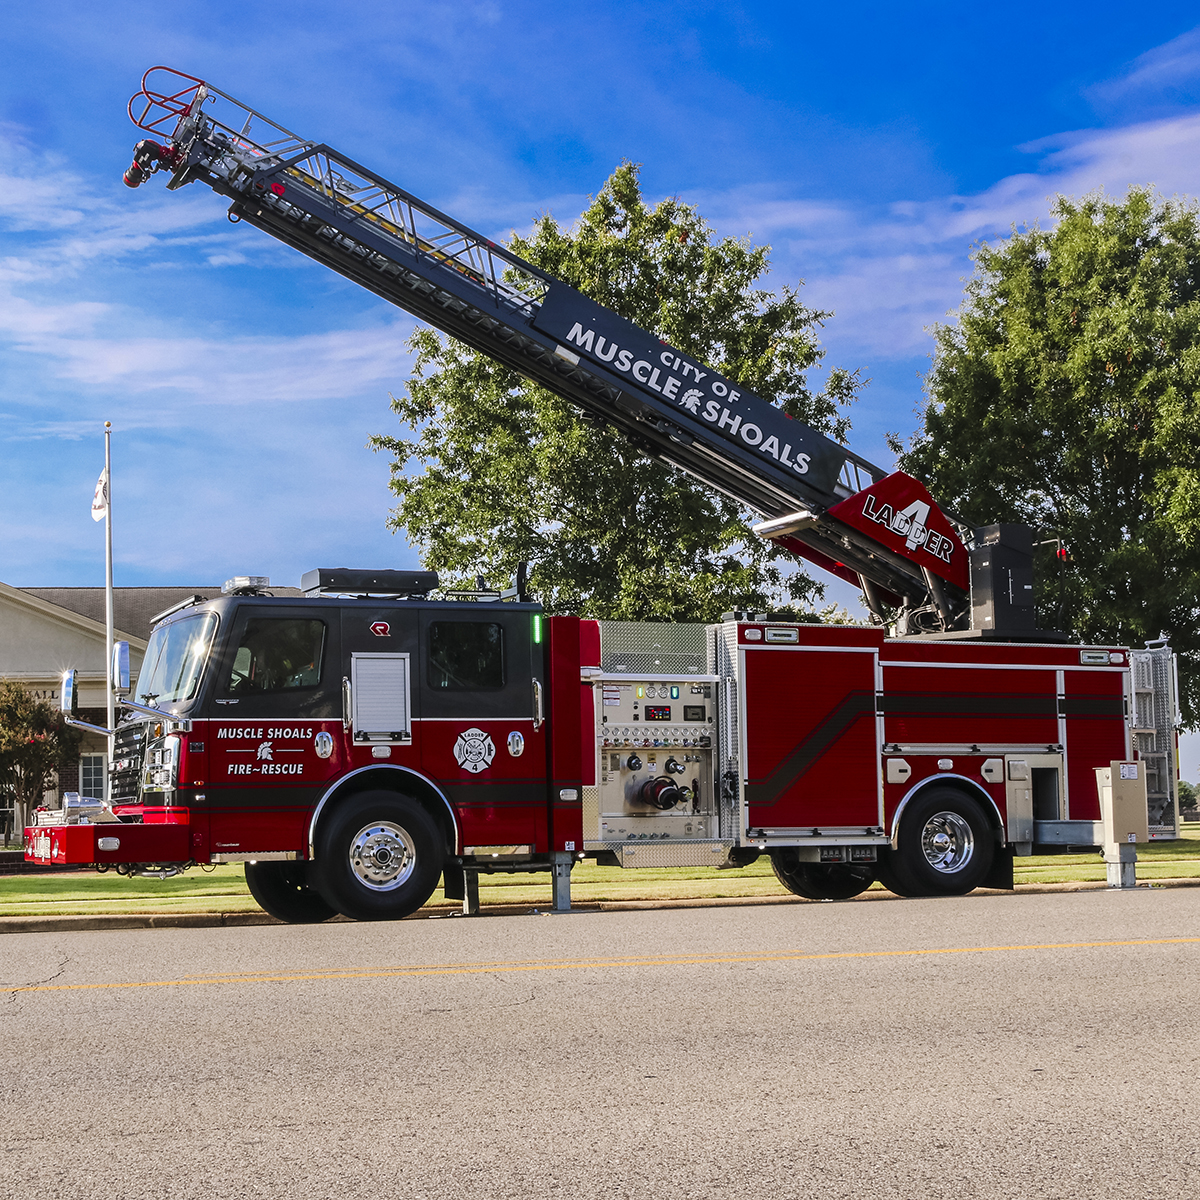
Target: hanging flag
x,y
100,499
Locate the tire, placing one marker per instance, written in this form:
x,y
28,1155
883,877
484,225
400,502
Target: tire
x,y
281,889
379,857
945,846
820,881
887,874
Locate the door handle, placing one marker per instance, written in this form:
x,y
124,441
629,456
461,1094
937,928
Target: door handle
x,y
347,698
539,711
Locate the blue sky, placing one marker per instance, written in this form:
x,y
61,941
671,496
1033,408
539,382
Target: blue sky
x,y
869,144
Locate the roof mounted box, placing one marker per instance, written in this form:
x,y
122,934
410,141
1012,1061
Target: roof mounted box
x,y
344,581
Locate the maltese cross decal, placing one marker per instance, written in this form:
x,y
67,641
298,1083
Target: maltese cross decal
x,y
474,750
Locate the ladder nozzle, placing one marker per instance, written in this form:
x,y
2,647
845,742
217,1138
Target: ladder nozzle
x,y
147,157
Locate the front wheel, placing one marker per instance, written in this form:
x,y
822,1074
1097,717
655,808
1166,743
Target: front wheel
x,y
945,845
819,881
281,889
379,857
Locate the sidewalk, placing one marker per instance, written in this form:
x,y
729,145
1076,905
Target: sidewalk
x,y
217,920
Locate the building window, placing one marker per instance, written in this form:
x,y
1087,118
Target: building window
x,y
92,776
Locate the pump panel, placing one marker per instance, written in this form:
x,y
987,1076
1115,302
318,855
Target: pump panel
x,y
655,740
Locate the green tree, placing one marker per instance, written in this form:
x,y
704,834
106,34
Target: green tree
x,y
35,744
1187,796
512,473
1066,395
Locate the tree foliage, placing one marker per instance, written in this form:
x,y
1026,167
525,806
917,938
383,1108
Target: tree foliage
x,y
1067,395
512,473
1187,796
35,743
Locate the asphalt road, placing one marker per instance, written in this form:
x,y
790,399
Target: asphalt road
x,y
1016,1047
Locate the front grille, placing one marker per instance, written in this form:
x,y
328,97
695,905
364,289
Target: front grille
x,y
126,770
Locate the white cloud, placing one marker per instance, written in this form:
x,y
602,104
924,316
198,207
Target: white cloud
x,y
92,343
889,272
247,370
1167,66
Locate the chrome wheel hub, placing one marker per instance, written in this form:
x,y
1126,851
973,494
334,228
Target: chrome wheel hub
x,y
382,856
947,841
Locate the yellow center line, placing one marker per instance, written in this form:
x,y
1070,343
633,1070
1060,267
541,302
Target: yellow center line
x,y
416,972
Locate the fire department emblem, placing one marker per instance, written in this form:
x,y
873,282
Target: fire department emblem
x,y
264,752
474,750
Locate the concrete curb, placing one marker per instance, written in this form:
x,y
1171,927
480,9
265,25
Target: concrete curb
x,y
235,920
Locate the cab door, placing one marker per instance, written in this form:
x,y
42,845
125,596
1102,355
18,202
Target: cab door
x,y
274,727
482,732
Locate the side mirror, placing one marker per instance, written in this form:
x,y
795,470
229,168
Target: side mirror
x,y
120,668
67,693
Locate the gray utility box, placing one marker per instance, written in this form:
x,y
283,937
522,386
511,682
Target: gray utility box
x,y
1122,787
1002,579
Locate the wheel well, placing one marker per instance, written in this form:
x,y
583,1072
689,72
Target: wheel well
x,y
959,783
391,779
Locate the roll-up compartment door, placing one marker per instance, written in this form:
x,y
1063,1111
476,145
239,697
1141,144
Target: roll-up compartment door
x,y
381,690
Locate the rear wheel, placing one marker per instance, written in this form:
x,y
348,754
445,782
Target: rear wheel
x,y
945,845
379,857
281,888
819,881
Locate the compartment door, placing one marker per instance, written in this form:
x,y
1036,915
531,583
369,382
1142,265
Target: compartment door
x,y
382,697
811,738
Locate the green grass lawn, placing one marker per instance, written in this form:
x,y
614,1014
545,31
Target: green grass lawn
x,y
223,889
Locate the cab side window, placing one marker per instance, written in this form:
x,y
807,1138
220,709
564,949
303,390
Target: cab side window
x,y
277,654
466,656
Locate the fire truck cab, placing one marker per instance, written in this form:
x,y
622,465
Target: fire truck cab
x,y
281,723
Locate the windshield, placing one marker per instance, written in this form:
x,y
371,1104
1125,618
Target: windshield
x,y
175,659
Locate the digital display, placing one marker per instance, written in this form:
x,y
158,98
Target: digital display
x,y
693,712
658,712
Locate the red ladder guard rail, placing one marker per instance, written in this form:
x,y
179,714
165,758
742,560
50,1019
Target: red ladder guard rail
x,y
173,105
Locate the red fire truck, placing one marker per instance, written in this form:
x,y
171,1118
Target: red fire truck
x,y
353,745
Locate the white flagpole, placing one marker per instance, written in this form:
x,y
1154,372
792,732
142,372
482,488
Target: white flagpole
x,y
108,596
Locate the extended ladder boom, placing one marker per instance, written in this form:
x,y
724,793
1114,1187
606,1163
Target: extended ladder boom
x,y
882,532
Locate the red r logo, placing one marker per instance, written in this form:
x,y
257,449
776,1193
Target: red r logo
x,y
381,629
278,189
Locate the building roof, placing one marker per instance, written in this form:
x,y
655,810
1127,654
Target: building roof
x,y
133,608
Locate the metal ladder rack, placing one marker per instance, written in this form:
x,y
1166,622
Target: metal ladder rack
x,y
1154,715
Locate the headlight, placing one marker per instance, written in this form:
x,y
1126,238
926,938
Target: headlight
x,y
161,770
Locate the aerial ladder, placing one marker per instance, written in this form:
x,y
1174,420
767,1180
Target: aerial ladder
x,y
880,531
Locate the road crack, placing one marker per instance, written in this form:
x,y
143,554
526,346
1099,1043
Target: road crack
x,y
33,983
